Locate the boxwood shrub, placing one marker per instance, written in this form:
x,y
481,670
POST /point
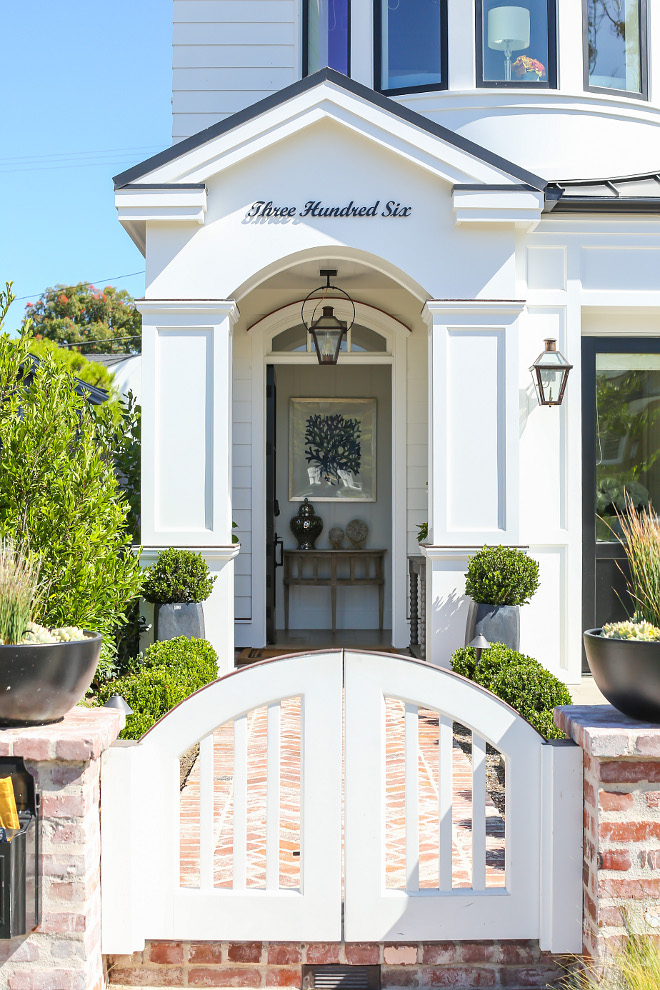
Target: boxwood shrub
x,y
171,670
501,576
519,680
178,576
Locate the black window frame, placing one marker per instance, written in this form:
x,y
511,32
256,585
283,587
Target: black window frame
x,y
305,39
644,53
378,55
550,82
591,347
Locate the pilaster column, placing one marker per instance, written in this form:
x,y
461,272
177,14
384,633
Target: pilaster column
x,y
187,443
473,450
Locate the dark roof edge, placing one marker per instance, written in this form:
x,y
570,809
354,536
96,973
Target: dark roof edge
x,y
595,204
164,185
495,187
351,86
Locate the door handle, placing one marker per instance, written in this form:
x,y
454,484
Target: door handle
x,y
279,543
276,508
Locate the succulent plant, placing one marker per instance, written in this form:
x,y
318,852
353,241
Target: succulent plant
x,y
39,634
638,629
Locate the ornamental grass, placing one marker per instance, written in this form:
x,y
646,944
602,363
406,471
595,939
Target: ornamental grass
x,y
634,965
641,541
19,591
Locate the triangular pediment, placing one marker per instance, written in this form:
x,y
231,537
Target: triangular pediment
x,y
327,95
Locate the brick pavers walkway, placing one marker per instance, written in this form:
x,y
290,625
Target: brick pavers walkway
x,y
290,806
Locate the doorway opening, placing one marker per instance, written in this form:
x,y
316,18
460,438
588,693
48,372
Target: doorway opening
x,y
329,440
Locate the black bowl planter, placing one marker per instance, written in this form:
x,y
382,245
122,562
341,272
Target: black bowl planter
x,y
496,623
179,619
41,682
627,671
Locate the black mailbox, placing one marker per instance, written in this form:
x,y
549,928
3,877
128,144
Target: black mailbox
x,y
20,860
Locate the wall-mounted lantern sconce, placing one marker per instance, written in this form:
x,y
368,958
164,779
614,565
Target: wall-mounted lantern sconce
x,y
550,373
326,330
508,31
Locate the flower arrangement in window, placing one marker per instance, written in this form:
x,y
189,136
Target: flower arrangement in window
x,y
524,67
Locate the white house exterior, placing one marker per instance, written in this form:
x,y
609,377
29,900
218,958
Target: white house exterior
x,y
469,216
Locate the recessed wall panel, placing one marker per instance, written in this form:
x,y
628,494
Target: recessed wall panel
x,y
475,430
619,268
184,430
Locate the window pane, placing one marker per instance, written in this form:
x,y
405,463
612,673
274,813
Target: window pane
x,y
614,49
293,339
515,41
411,43
327,34
627,435
364,339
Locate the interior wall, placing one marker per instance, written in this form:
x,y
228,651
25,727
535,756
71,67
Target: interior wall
x,y
357,608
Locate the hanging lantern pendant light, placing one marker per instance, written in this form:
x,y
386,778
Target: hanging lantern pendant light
x,y
550,373
327,331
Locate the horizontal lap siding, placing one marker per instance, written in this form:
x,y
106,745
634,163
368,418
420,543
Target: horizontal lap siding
x,y
417,436
228,55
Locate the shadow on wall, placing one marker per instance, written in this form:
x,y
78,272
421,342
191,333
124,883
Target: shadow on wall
x,y
528,401
449,620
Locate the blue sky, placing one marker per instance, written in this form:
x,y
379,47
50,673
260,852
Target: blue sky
x,y
85,92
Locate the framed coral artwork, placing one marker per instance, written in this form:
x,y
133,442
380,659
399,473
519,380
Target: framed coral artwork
x,y
332,450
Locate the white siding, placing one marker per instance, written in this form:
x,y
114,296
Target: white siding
x,y
227,55
417,434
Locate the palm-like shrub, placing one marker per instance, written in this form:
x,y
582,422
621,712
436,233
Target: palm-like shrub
x,y
501,576
178,576
641,541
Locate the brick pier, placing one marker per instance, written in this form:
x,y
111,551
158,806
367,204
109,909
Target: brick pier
x,y
621,869
64,953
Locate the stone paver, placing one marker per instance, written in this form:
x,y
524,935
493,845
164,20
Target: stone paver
x,y
290,806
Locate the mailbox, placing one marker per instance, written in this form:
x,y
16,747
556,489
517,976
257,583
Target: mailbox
x,y
20,859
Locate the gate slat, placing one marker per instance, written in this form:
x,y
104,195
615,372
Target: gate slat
x,y
240,803
273,755
445,838
478,812
206,813
412,798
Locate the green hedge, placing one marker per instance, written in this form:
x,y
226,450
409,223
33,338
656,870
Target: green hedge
x,y
172,670
519,680
501,576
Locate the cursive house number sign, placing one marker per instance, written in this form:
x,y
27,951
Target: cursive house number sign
x,y
266,210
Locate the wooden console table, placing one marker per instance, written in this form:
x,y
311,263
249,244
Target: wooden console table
x,y
332,568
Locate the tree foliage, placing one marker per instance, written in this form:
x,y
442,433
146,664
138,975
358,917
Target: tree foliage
x,y
59,490
86,370
77,314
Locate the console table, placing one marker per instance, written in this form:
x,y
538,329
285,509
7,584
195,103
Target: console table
x,y
331,569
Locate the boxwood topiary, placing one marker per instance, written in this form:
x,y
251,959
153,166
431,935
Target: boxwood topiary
x,y
172,670
519,680
501,576
178,576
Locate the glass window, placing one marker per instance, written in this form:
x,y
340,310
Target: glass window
x,y
327,31
516,43
411,44
627,436
615,56
358,340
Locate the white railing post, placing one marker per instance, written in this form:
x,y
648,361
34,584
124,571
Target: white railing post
x,y
561,847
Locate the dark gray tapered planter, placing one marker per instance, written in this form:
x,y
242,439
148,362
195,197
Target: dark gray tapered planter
x,y
627,671
179,619
41,682
496,623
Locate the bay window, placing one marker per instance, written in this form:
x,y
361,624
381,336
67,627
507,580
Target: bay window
x,y
410,45
326,35
615,46
516,43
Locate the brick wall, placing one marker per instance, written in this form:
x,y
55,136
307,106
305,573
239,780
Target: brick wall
x,y
64,953
467,965
621,869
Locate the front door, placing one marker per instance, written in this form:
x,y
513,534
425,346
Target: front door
x,y
272,506
621,454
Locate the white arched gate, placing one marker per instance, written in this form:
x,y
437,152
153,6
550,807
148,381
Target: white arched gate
x,y
343,698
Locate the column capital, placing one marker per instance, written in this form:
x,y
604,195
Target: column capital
x,y
204,311
443,311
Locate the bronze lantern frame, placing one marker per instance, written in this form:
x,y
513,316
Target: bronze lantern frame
x,y
327,323
551,360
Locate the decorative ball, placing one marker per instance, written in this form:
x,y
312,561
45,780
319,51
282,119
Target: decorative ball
x,y
336,537
357,532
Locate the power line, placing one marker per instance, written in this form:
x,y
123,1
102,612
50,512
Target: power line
x,y
115,278
51,168
78,154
